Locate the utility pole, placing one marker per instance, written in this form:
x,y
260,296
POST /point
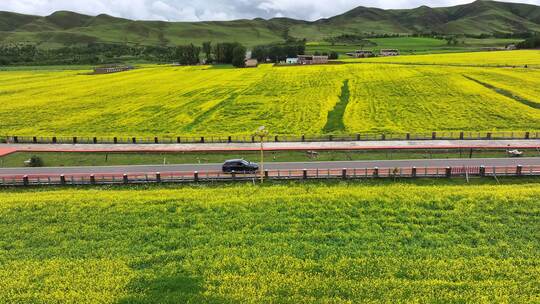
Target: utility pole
x,y
262,133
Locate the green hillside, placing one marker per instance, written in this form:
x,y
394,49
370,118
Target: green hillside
x,y
68,28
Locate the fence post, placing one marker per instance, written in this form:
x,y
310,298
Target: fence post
x,y
158,177
94,140
519,170
434,135
25,180
115,140
202,139
448,171
461,135
196,176
305,174
62,179
34,139
344,173
74,139
92,179
408,136
376,172
488,135
134,140
276,138
229,140
266,174
527,135
383,137
358,137
482,171
54,139
303,138
156,140
125,178
413,172
16,139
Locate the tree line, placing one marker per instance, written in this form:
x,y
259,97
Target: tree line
x,y
531,43
277,52
92,53
102,53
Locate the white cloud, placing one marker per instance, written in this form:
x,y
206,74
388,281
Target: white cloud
x,y
196,10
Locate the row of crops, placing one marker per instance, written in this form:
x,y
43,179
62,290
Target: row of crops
x,y
161,100
288,243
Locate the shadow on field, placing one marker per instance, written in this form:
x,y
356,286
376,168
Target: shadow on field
x,y
165,290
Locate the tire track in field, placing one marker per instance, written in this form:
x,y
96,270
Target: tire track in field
x,y
201,118
335,122
530,103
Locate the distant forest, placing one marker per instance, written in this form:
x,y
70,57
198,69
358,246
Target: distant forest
x,y
100,53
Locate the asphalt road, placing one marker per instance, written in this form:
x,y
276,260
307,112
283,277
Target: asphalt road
x,y
276,166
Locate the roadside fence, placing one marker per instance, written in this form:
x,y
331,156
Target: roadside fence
x,y
273,138
305,174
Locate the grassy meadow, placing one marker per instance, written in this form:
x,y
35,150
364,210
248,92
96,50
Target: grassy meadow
x,y
418,93
428,242
411,45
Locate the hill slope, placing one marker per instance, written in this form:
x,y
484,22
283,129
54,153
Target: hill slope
x,y
65,28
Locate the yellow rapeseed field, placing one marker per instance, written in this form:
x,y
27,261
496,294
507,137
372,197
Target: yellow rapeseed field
x,y
165,100
288,243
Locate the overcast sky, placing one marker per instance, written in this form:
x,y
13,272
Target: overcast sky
x,y
198,10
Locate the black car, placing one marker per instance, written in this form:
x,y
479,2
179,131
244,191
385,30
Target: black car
x,y
240,166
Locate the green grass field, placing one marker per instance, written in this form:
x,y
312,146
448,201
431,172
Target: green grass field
x,y
423,242
413,94
54,159
412,45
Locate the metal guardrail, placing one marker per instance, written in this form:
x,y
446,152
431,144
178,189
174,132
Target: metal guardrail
x,y
273,138
305,174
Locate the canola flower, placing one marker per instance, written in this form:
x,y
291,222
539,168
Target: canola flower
x,y
162,100
284,243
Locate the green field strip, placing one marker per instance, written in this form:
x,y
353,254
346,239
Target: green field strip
x,y
335,117
506,93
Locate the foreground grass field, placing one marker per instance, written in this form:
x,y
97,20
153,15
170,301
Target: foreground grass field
x,y
381,97
282,243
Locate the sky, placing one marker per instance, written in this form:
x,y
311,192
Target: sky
x,y
205,10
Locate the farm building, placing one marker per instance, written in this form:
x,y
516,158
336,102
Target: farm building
x,y
389,52
292,61
361,54
311,59
251,63
108,69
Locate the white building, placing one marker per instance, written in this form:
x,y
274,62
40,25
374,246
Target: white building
x,y
292,61
389,52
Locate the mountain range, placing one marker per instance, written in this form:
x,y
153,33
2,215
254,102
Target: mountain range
x,y
68,28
